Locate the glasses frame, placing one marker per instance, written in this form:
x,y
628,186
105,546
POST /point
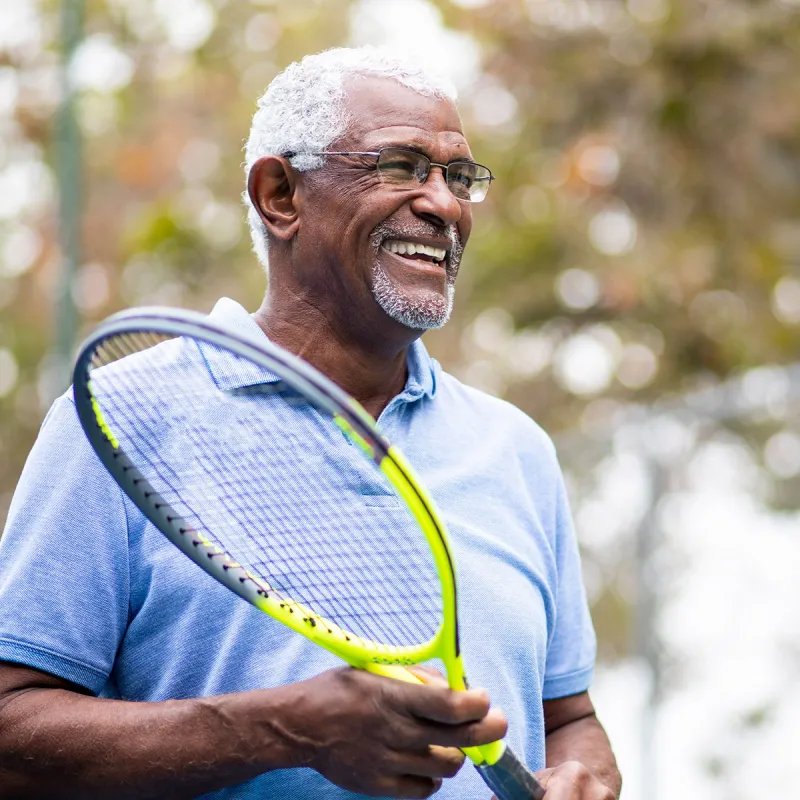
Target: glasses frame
x,y
444,167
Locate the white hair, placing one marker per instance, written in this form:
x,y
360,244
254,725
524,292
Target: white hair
x,y
303,109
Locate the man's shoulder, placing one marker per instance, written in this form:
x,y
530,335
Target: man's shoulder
x,y
61,427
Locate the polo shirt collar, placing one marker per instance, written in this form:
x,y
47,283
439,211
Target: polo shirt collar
x,y
229,374
421,372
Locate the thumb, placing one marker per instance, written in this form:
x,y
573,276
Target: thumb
x,y
428,675
543,776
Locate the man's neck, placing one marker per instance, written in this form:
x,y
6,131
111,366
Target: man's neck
x,y
372,375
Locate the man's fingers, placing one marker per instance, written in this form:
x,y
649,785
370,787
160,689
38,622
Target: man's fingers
x,y
471,734
428,675
543,776
438,762
455,719
416,786
438,704
573,781
408,786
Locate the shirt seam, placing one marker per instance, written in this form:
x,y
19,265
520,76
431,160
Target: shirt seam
x,y
53,654
576,673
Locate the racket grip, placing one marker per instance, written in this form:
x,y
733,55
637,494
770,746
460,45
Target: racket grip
x,y
510,779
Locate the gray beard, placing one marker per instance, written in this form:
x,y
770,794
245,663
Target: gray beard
x,y
433,310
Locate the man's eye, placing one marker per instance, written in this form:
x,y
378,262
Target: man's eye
x,y
462,179
464,176
399,166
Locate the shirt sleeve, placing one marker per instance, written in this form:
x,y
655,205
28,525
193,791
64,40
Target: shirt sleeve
x,y
572,647
64,579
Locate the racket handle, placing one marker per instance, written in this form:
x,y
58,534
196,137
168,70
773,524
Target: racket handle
x,y
510,779
507,777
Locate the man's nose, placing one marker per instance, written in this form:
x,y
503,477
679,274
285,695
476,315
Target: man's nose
x,y
436,202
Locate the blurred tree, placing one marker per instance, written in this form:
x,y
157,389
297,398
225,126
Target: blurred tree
x,y
641,239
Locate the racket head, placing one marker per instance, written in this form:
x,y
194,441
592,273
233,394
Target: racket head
x,y
117,362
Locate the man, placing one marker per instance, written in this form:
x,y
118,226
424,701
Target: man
x,y
359,183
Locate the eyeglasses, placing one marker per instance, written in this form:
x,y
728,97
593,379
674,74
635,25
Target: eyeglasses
x,y
408,168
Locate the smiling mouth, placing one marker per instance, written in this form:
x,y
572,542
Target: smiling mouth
x,y
415,251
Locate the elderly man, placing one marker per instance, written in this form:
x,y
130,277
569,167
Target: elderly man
x,y
360,182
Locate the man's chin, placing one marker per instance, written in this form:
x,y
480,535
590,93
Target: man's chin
x,y
420,310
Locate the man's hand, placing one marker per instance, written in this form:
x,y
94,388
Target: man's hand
x,y
382,737
573,781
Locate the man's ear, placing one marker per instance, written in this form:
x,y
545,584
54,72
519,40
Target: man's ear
x,y
271,185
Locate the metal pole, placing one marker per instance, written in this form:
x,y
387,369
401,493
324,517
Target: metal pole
x,y
647,645
68,153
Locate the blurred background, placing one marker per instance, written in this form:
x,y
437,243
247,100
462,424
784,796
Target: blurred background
x,y
633,283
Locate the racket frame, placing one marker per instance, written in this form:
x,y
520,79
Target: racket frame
x,y
498,765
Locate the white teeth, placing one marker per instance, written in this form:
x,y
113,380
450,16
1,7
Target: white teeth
x,y
410,248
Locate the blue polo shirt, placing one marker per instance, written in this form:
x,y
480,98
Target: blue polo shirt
x,y
92,592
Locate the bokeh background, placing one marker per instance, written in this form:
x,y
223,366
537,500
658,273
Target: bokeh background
x,y
633,282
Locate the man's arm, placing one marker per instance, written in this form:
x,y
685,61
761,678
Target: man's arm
x,y
580,763
365,733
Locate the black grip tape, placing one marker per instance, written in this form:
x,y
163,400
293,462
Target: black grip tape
x,y
510,779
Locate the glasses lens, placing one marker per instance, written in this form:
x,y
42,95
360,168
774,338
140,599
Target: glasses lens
x,y
402,167
468,181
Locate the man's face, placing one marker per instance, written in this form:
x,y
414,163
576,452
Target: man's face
x,y
366,229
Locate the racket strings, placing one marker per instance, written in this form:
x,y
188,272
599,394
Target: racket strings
x,y
274,483
328,590
328,599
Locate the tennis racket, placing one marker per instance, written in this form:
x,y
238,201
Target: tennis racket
x,y
355,558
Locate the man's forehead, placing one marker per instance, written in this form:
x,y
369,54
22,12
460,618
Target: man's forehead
x,y
384,111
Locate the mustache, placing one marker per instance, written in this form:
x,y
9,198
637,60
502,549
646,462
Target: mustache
x,y
419,229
